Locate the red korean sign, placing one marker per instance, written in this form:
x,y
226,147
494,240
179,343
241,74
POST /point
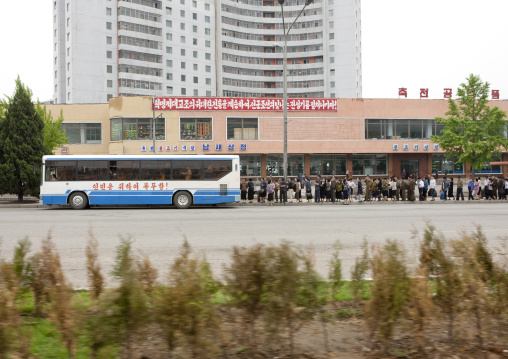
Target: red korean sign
x,y
244,104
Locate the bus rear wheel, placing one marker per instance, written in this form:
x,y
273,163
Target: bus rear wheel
x,y
182,200
78,200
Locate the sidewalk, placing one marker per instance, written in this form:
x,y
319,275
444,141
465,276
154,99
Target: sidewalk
x,y
10,201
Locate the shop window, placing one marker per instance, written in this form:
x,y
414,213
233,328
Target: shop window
x,y
327,165
242,128
250,165
80,133
444,165
396,129
275,165
130,129
370,165
196,129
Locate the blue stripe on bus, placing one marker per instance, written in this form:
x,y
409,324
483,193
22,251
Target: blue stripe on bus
x,y
200,196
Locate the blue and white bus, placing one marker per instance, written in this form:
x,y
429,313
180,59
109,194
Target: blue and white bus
x,y
84,181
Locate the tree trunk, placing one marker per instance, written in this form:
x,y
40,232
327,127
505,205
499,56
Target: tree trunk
x,y
325,332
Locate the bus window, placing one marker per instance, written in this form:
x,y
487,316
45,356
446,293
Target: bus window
x,y
187,170
215,170
155,170
93,170
127,170
60,171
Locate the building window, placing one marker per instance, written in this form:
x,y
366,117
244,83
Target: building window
x,y
68,38
109,96
327,165
109,25
208,81
364,165
396,129
208,56
195,79
196,129
169,36
79,133
195,54
195,92
108,11
109,69
330,25
332,84
169,23
182,13
207,19
182,52
250,166
169,76
68,51
195,67
182,39
207,31
194,41
194,3
109,54
332,60
109,40
242,128
332,36
183,91
69,22
275,165
207,7
169,63
208,93
332,48
169,90
128,129
182,65
208,68
182,78
194,16
110,83
169,50
446,166
182,26
194,28
169,11
208,43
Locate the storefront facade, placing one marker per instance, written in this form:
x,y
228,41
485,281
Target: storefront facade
x,y
376,137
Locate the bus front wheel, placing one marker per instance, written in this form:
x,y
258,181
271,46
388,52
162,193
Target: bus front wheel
x,y
78,200
182,200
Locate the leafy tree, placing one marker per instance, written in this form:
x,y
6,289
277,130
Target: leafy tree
x,y
52,134
21,144
473,131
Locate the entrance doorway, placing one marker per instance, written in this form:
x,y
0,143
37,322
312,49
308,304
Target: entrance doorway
x,y
411,167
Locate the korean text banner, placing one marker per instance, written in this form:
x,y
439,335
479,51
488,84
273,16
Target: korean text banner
x,y
244,104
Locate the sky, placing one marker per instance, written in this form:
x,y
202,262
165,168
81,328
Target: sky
x,y
415,44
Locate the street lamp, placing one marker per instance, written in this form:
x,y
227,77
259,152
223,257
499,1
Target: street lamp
x,y
285,84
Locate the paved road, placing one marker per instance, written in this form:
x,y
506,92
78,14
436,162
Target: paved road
x,y
160,231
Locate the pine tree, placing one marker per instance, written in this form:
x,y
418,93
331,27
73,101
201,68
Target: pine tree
x,y
21,144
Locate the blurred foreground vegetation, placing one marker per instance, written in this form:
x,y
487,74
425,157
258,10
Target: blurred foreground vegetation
x,y
267,295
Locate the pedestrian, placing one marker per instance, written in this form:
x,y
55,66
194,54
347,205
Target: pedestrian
x,y
425,187
308,190
470,186
450,190
486,183
445,186
399,183
420,188
317,189
298,190
460,184
368,188
345,191
403,173
283,190
243,191
250,190
360,190
291,190
476,189
393,189
352,187
385,188
262,191
432,188
276,191
270,188
333,189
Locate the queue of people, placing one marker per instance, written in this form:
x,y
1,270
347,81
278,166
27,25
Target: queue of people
x,y
336,190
